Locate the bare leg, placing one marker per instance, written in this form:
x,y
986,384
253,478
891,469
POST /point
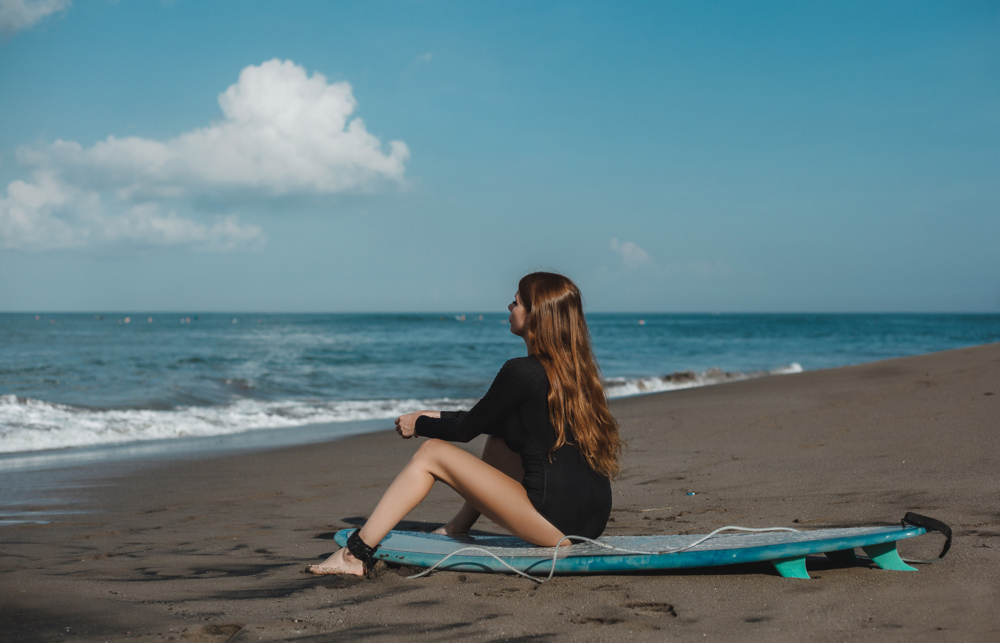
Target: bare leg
x,y
497,455
491,492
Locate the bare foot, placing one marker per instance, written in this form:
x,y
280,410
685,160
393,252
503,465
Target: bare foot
x,y
449,530
341,562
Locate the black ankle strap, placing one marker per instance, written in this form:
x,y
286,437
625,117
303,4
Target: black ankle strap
x,y
930,524
362,551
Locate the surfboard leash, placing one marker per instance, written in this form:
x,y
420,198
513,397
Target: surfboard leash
x,y
916,520
555,554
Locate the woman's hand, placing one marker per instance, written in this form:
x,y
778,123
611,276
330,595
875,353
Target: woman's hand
x,y
406,425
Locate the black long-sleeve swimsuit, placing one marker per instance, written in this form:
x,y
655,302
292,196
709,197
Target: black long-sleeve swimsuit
x,y
565,490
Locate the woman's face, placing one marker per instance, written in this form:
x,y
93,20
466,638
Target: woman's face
x,y
518,316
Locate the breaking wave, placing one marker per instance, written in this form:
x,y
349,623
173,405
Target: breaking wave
x,y
623,387
28,424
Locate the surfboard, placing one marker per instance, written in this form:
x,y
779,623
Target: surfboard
x,y
786,550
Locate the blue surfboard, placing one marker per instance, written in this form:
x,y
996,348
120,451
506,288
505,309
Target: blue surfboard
x,y
786,550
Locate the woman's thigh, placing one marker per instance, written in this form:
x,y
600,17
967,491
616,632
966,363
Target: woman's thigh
x,y
497,454
496,495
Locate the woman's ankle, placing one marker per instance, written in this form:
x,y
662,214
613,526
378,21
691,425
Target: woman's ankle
x,y
449,529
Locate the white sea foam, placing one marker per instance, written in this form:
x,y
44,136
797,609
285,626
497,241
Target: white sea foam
x,y
28,424
622,387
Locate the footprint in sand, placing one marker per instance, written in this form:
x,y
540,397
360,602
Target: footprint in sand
x,y
652,609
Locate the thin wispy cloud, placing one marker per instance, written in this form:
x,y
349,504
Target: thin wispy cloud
x,y
631,255
16,15
283,133
424,57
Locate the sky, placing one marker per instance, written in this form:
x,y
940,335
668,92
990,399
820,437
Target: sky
x,y
422,156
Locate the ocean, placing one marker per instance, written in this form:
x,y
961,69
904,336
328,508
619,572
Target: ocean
x,y
73,381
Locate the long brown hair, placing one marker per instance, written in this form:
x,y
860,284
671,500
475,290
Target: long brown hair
x,y
557,336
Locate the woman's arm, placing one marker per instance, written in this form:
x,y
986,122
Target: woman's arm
x,y
509,390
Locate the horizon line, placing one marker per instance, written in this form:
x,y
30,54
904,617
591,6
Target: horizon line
x,y
477,312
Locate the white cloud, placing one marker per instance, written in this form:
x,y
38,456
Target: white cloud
x,y
283,133
424,57
16,15
49,214
631,255
26,214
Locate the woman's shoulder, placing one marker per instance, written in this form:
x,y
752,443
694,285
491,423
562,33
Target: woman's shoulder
x,y
526,369
526,363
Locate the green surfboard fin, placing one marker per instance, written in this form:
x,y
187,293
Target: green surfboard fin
x,y
885,556
794,567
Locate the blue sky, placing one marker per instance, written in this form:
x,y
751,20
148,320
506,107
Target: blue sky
x,y
421,156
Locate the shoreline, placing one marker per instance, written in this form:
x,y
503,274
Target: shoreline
x,y
169,449
210,549
84,382
278,437
39,486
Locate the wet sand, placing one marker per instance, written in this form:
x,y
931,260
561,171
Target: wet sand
x,y
211,549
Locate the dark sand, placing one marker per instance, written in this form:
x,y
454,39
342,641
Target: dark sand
x,y
211,549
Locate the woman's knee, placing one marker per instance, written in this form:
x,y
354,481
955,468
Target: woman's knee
x,y
431,450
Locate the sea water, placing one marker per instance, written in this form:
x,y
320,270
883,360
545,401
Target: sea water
x,y
70,381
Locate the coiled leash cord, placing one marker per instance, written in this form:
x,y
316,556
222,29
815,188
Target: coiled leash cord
x,y
916,520
555,554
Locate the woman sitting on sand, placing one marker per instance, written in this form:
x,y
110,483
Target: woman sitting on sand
x,y
552,449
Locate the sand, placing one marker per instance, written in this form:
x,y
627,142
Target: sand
x,y
211,549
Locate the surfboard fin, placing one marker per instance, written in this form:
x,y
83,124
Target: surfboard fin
x,y
885,556
794,567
